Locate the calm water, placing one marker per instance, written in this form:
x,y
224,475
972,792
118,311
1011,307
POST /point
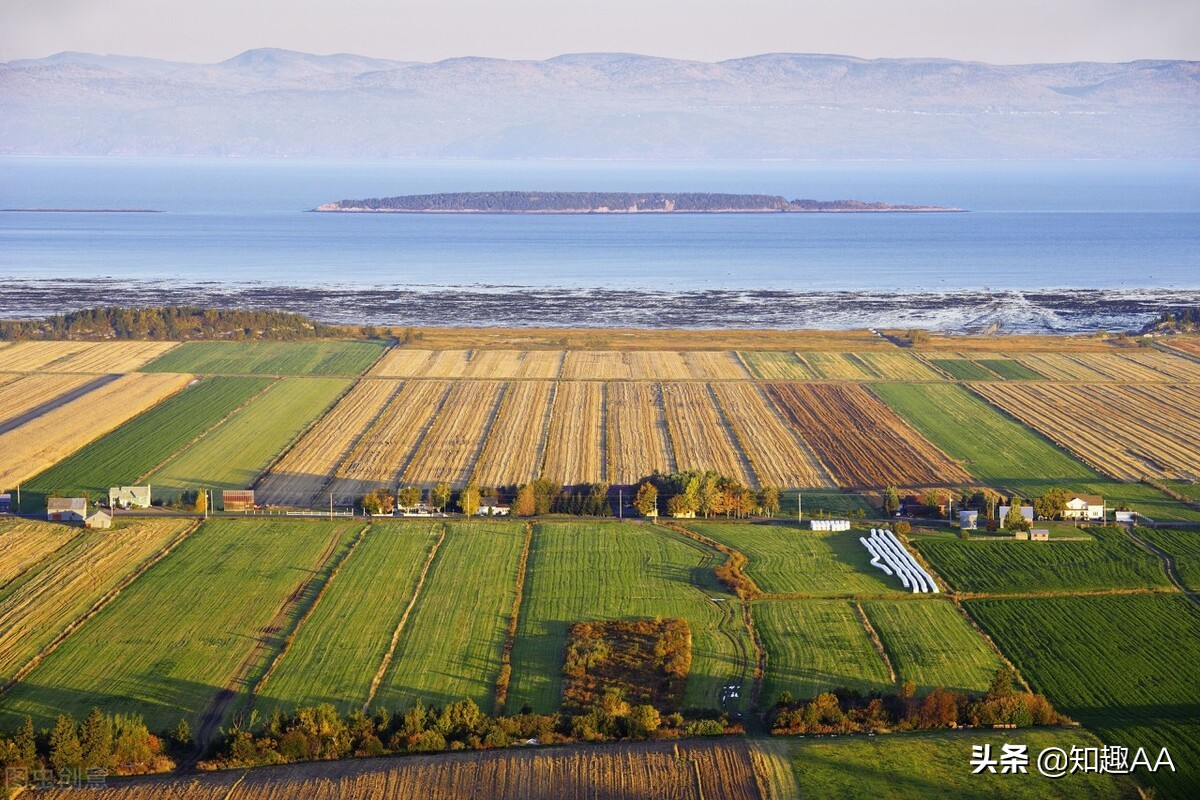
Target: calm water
x,y
236,231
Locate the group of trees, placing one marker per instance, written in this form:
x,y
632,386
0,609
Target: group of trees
x,y
706,494
172,323
99,745
845,711
382,501
320,732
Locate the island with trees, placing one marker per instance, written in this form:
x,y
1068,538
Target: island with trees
x,y
519,202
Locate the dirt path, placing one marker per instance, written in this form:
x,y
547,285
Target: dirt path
x,y
1168,565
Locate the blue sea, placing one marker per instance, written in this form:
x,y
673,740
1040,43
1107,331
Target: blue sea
x,y
1043,246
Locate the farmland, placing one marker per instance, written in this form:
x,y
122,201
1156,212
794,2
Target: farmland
x,y
1008,456
512,453
816,646
450,647
137,448
454,439
963,369
787,560
575,447
1126,666
269,358
26,393
638,443
932,644
774,451
1183,546
24,543
860,440
337,650
233,455
83,357
1126,431
699,436
54,435
611,571
168,644
1105,560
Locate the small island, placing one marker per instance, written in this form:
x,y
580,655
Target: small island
x,y
514,202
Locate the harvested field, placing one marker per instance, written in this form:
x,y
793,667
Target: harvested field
x,y
115,357
448,364
1060,367
860,440
1174,368
401,362
515,364
23,543
700,439
1016,343
776,454
56,434
1190,347
837,366
1129,366
25,393
688,770
40,356
896,365
485,364
384,449
657,365
772,366
62,588
575,446
1125,431
595,365
304,470
455,439
512,453
637,433
714,366
645,339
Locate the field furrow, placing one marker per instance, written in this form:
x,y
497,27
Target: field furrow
x,y
454,440
637,433
699,438
575,444
512,453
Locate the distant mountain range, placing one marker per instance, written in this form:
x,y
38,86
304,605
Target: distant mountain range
x,y
278,103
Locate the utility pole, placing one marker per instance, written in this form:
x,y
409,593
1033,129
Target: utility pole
x,y
799,508
620,504
331,506
206,502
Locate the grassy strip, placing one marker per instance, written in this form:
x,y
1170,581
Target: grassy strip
x,y
505,676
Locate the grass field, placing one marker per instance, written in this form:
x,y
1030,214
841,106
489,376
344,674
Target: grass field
x,y
1008,456
337,650
450,648
962,369
1183,546
269,358
816,646
932,644
1127,667
1009,369
917,766
234,454
138,447
610,571
169,643
1109,560
783,559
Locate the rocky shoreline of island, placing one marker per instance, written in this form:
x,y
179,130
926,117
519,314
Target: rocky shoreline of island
x,y
526,202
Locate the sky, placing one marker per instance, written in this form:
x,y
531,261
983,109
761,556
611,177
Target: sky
x,y
996,31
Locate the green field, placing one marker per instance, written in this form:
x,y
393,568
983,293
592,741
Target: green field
x,y
1187,489
269,358
816,646
336,652
451,645
169,643
1009,369
234,454
133,450
612,571
1109,560
1008,456
817,504
917,766
773,365
962,369
1183,546
784,559
1126,666
932,644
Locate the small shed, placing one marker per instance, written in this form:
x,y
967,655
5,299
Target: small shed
x,y
1039,535
5,503
238,500
129,497
1024,535
968,520
493,509
99,519
1123,517
66,509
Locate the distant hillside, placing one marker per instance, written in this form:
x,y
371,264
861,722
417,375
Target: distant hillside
x,y
270,103
604,203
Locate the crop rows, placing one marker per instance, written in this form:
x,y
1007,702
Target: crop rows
x,y
327,357
1183,546
1126,431
115,357
52,436
513,450
305,469
896,366
23,543
35,356
963,369
932,644
699,437
637,432
1139,366
1189,346
27,392
775,453
454,440
860,440
36,609
575,446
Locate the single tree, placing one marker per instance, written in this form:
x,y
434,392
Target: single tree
x,y
441,495
891,500
646,501
468,500
1015,520
768,500
66,753
526,502
96,740
409,497
201,504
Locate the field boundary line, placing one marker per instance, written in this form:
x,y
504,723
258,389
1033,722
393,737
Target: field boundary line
x,y
377,679
506,391
98,606
504,677
660,419
987,637
552,406
730,431
400,472
295,440
184,448
760,657
344,456
291,637
745,365
873,635
1167,561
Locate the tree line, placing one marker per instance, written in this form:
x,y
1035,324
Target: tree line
x,y
169,323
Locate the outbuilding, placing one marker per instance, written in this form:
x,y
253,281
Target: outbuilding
x,y
66,509
968,520
99,519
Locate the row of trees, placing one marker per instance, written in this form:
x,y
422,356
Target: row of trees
x,y
100,744
845,711
173,323
706,494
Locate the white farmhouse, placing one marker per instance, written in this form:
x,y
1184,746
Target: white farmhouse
x,y
1086,507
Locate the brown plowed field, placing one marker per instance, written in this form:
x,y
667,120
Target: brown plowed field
x,y
778,456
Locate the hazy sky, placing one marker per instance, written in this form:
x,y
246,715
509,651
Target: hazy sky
x,y
998,31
